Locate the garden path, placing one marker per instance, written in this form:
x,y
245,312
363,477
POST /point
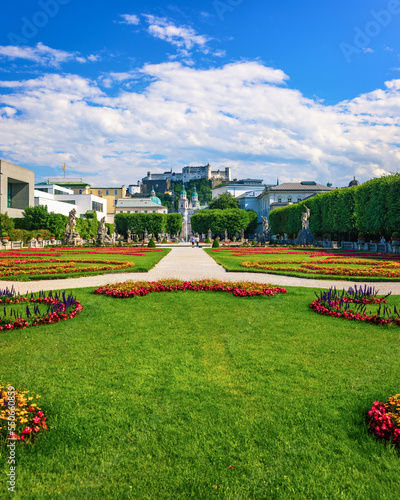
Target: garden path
x,y
188,263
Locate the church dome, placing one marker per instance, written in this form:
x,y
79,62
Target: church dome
x,y
154,198
354,182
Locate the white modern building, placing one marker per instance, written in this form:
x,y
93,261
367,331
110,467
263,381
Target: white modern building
x,y
16,188
62,200
140,205
287,193
239,188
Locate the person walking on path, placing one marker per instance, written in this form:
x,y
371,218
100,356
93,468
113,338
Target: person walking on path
x,y
192,240
197,239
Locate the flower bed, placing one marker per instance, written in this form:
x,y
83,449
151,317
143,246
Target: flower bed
x,y
141,288
20,417
59,307
384,419
339,305
347,263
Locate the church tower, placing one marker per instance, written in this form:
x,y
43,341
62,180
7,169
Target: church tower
x,y
183,201
195,200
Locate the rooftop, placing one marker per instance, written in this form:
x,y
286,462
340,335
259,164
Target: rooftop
x,y
301,186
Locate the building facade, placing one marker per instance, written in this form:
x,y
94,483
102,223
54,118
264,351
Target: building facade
x,y
150,205
62,200
287,193
16,188
239,188
162,182
187,208
110,194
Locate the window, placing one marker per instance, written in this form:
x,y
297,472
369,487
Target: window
x,y
90,192
98,192
289,199
115,192
145,211
58,191
106,191
115,202
97,207
299,198
279,200
72,202
80,191
128,212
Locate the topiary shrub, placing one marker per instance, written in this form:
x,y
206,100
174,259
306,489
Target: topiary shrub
x,y
207,240
164,241
215,243
151,244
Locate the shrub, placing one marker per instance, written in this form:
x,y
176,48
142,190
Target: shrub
x,y
215,243
151,244
207,240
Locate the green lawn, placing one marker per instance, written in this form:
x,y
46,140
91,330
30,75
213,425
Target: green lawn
x,y
204,395
36,264
232,262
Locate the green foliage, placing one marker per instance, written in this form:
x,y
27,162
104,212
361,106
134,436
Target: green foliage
x,y
6,223
233,220
166,200
372,208
87,228
207,240
111,228
151,244
215,243
174,223
36,217
138,223
164,241
223,202
203,187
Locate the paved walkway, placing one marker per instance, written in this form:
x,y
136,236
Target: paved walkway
x,y
188,263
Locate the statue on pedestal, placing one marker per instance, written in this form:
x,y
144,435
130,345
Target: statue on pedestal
x,y
71,237
305,223
226,235
102,233
129,233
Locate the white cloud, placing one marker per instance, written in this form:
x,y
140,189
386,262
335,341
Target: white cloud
x,y
42,54
183,37
241,115
130,19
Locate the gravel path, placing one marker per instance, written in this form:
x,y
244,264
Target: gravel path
x,y
188,263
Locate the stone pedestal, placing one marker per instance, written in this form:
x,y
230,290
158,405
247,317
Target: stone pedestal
x,y
305,237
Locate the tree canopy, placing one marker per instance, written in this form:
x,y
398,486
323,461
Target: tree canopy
x,y
223,202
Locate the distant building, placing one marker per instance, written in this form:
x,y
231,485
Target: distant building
x,y
62,200
110,194
187,208
141,205
162,182
239,188
16,188
287,193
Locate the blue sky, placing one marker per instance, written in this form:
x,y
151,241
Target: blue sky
x,y
295,90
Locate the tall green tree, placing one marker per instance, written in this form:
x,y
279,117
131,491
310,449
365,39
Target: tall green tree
x,y
223,202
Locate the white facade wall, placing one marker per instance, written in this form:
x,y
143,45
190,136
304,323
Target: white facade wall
x,y
236,190
58,207
57,203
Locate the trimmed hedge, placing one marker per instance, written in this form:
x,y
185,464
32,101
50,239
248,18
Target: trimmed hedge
x,y
231,219
373,209
154,223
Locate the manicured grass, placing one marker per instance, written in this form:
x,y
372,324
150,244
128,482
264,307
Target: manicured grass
x,y
290,262
67,262
204,395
